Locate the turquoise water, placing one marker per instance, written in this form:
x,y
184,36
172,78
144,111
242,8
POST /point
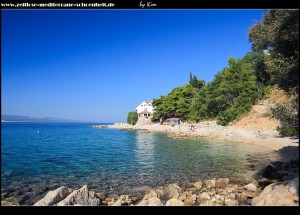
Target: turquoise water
x,y
38,157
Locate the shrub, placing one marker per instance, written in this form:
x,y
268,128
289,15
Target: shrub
x,y
286,131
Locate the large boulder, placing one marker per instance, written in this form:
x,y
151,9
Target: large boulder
x,y
204,196
250,187
154,201
279,194
198,185
83,196
210,183
119,201
53,197
270,172
293,186
277,170
231,202
171,192
174,202
150,195
143,202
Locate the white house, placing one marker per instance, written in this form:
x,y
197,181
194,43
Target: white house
x,y
145,109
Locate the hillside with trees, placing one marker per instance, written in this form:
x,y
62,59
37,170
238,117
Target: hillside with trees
x,y
274,61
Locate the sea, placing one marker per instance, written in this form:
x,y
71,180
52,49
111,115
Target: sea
x,y
39,157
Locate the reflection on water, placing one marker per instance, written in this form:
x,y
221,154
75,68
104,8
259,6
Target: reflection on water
x,y
144,151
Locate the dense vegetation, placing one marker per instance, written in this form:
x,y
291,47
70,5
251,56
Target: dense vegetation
x,y
274,61
132,118
278,33
230,94
175,104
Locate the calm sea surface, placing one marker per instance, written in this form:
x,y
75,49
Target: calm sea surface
x,y
38,157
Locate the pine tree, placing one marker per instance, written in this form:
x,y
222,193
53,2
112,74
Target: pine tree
x,y
191,78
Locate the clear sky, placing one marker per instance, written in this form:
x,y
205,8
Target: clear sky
x,y
98,65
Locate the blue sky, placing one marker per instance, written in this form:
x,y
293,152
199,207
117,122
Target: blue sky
x,y
97,65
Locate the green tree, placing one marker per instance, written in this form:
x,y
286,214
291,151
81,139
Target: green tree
x,y
175,104
229,95
132,118
278,36
191,78
195,82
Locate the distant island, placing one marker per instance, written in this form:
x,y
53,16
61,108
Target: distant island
x,y
18,118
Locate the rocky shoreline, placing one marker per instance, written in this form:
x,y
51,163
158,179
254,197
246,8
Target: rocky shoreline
x,y
277,184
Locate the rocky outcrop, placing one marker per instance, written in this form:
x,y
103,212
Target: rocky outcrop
x,y
279,194
144,121
83,196
54,197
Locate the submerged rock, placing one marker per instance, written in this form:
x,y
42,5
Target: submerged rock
x,y
6,203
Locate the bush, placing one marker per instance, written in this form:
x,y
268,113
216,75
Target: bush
x,y
132,118
267,91
287,113
286,131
